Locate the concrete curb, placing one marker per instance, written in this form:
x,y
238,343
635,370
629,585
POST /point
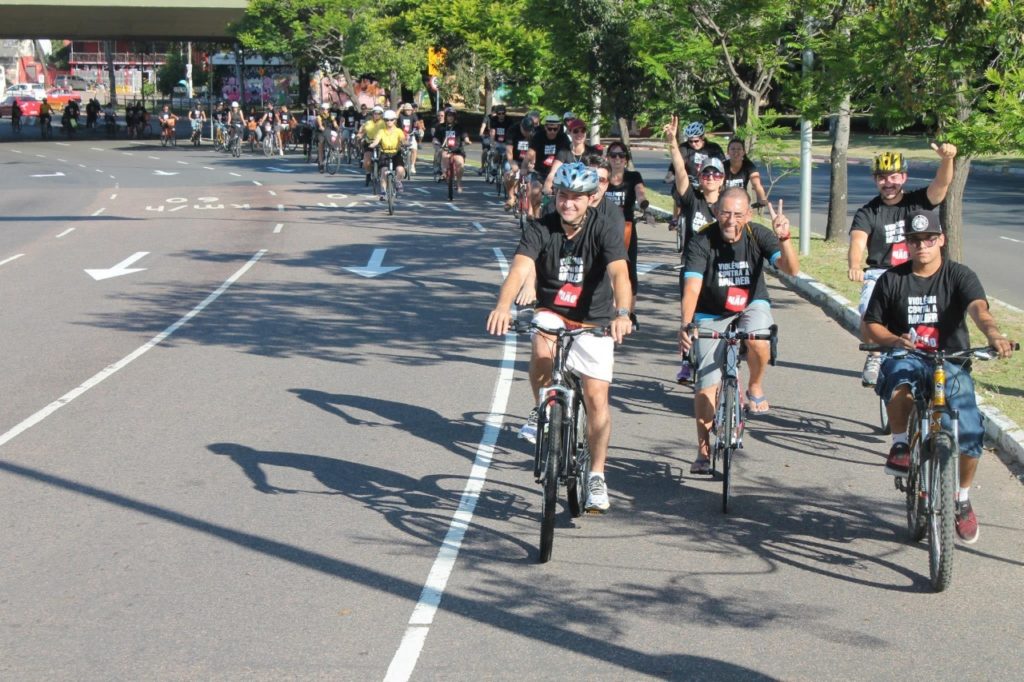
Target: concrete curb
x,y
1001,433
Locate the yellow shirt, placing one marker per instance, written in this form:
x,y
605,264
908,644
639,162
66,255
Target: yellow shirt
x,y
371,128
390,140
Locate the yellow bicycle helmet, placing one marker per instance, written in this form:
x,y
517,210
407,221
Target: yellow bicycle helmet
x,y
889,162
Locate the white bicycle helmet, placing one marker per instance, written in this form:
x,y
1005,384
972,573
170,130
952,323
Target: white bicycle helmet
x,y
695,129
575,177
234,105
377,109
325,105
390,115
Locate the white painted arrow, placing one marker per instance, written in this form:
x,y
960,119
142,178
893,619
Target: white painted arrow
x,y
280,170
58,174
160,172
374,267
121,268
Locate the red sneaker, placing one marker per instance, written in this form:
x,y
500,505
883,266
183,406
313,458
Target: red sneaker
x,y
898,461
966,522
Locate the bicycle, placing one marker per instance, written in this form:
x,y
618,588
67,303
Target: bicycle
x,y
562,454
332,155
197,132
930,484
45,127
521,205
168,136
390,183
269,140
729,421
234,141
375,171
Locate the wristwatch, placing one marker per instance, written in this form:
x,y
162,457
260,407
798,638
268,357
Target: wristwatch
x,y
622,312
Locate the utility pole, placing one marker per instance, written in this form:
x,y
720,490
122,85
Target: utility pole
x,y
805,162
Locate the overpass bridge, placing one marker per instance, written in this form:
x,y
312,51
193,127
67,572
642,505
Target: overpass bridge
x,y
125,19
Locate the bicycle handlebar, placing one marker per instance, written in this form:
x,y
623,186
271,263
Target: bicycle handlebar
x,y
980,352
702,333
525,327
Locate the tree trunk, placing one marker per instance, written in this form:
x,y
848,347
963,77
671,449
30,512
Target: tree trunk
x,y
623,130
112,77
595,115
952,209
488,94
835,228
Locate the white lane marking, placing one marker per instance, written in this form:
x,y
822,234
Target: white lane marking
x,y
43,157
63,160
237,175
404,661
280,207
96,149
452,206
127,153
81,165
1011,239
113,196
271,192
183,163
278,228
98,212
64,144
98,170
12,258
155,158
66,232
110,370
420,189
479,227
15,151
58,174
353,204
112,177
257,183
208,168
177,208
119,270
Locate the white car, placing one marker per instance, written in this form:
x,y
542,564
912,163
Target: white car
x,y
33,90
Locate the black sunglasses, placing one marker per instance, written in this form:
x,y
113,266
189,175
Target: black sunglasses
x,y
617,155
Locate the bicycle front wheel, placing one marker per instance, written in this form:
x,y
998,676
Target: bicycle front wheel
x,y
727,437
333,162
549,449
390,191
576,483
451,182
916,495
941,516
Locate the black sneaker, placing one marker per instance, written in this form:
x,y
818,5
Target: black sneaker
x,y
898,461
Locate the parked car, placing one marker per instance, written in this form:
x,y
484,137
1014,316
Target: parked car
x,y
59,99
26,90
29,106
72,83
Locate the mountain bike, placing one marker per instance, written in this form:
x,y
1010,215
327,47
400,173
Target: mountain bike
x,y
332,154
375,171
562,455
234,143
930,484
219,136
521,205
270,145
729,413
197,132
390,181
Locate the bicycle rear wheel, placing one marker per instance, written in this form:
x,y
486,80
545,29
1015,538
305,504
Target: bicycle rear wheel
x,y
451,182
576,483
940,520
917,501
333,162
549,449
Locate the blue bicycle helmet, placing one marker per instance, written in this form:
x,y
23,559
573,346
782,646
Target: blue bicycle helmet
x,y
695,129
575,177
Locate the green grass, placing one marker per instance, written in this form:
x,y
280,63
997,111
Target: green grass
x,y
1000,383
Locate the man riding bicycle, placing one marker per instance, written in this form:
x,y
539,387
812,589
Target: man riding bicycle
x,y
325,123
390,141
168,122
580,264
517,156
722,281
368,131
923,304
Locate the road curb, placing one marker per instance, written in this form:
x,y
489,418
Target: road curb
x,y
1001,433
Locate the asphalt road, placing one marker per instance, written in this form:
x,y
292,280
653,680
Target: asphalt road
x,y
994,233
237,458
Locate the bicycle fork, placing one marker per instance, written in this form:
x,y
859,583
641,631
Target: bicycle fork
x,y
547,396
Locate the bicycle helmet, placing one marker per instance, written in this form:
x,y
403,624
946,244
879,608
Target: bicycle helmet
x,y
378,109
889,162
500,109
568,115
234,105
552,119
389,115
695,129
575,177
325,105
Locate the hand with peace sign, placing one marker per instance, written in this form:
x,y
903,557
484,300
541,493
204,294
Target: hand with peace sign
x,y
780,223
671,130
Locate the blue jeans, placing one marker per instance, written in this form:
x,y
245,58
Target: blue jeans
x,y
916,373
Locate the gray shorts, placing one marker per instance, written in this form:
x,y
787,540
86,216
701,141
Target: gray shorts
x,y
710,353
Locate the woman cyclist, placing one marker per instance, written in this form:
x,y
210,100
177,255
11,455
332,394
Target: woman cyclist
x,y
741,171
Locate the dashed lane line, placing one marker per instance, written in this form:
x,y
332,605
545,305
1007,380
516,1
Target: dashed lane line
x,y
257,183
65,233
479,227
98,212
278,228
12,258
237,175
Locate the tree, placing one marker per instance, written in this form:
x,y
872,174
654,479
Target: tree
x,y
171,73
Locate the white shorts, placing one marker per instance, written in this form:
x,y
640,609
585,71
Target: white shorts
x,y
870,277
590,356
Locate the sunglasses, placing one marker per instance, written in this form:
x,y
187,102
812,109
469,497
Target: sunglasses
x,y
617,155
713,174
578,130
553,129
922,243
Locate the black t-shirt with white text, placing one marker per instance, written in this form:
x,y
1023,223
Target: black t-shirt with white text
x,y
499,129
934,307
407,122
519,141
732,274
546,150
884,226
623,194
350,119
696,211
694,159
572,274
740,178
451,138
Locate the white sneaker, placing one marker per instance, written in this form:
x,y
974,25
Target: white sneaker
x,y
528,431
869,377
597,495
